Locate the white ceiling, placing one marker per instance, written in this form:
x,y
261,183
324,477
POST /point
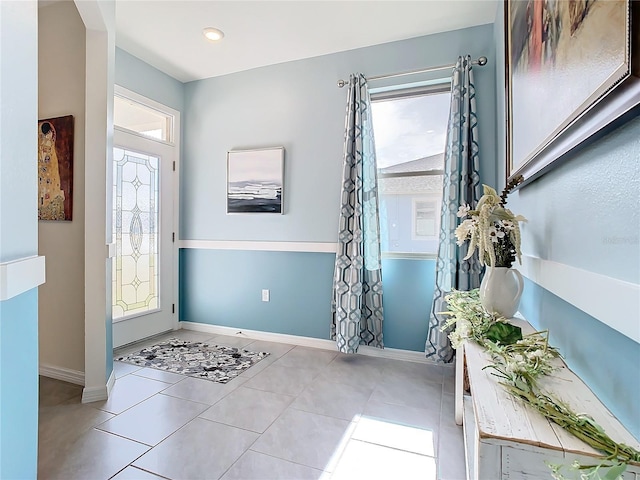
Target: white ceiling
x,y
168,33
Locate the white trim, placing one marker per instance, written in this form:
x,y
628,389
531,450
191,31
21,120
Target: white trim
x,y
174,136
60,373
98,394
22,275
431,198
111,250
177,139
408,256
390,353
94,394
614,302
258,335
313,247
99,18
175,173
110,383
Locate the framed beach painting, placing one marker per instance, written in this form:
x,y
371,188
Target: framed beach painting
x,y
571,70
55,168
255,180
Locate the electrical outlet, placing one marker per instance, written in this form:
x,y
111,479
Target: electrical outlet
x,y
265,295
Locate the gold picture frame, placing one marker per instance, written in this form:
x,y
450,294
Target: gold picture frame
x,y
55,168
572,74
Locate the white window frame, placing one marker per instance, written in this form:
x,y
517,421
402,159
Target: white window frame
x,y
169,113
437,201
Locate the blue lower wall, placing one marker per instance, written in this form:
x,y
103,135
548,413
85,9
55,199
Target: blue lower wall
x,y
408,295
19,386
223,287
607,361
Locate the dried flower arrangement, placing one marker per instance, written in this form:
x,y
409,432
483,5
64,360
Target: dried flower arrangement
x,y
491,228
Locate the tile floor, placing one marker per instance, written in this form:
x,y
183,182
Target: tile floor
x,y
301,413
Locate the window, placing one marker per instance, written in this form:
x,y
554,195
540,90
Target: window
x,y
142,119
426,214
410,128
135,219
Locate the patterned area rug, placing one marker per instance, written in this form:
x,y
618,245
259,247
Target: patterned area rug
x,y
196,359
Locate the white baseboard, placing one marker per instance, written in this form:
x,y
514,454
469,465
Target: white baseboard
x,y
390,353
60,373
110,383
94,394
97,394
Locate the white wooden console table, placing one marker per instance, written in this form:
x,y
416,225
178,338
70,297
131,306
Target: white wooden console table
x,y
505,439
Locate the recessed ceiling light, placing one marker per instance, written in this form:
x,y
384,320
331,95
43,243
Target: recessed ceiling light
x,y
213,34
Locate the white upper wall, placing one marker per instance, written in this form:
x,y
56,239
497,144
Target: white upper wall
x,y
298,105
18,183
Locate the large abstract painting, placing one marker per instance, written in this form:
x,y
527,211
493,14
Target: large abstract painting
x,y
255,180
55,168
563,58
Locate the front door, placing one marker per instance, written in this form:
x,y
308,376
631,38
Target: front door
x,y
143,233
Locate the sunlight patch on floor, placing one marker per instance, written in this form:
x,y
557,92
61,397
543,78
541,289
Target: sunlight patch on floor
x,y
394,435
380,449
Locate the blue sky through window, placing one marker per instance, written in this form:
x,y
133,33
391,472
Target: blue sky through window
x,y
410,128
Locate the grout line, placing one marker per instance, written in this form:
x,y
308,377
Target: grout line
x,y
147,471
137,403
283,459
435,457
382,376
186,399
160,443
243,453
227,425
334,460
126,438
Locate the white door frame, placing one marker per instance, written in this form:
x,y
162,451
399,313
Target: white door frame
x,y
174,141
98,17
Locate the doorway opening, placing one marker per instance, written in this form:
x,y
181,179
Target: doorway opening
x,y
144,217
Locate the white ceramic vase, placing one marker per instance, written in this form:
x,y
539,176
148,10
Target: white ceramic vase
x,y
500,290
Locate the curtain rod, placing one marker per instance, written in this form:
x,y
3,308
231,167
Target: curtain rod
x,y
481,62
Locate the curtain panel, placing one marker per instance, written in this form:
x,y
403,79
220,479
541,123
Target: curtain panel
x,y
461,184
356,304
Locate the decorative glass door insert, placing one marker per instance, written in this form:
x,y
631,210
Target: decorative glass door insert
x,y
136,220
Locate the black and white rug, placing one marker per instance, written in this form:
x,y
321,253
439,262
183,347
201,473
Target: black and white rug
x,y
196,359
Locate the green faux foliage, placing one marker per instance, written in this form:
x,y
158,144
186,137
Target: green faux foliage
x,y
519,361
603,471
580,425
503,333
470,318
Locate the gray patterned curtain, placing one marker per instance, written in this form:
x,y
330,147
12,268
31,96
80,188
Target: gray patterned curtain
x,y
461,185
356,304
